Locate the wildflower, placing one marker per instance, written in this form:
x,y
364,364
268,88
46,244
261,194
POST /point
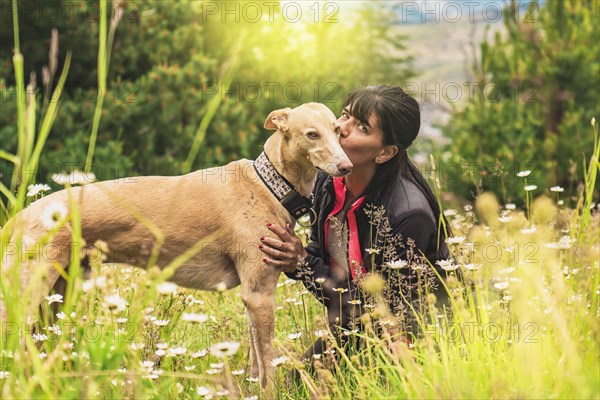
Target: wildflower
x,y
4,374
340,290
510,206
528,231
121,320
189,368
203,391
557,189
166,288
563,244
321,333
237,372
450,212
39,337
161,322
530,188
160,352
33,190
177,351
221,287
523,174
354,302
222,393
147,364
74,178
43,355
55,298
294,336
455,240
199,354
278,361
224,349
447,265
252,379
320,280
55,329
53,214
194,317
115,302
471,266
60,315
213,371
501,285
372,251
505,218
251,398
397,264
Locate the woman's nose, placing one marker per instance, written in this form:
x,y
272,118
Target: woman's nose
x,y
344,128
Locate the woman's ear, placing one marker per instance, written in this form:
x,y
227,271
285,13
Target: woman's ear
x,y
386,154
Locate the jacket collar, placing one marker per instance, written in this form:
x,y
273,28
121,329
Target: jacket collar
x,y
296,204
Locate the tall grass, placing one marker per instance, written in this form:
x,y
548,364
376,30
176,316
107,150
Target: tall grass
x,y
523,321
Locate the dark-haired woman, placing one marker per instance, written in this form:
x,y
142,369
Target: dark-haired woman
x,y
378,124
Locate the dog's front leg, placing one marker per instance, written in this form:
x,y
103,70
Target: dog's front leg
x,y
261,310
254,370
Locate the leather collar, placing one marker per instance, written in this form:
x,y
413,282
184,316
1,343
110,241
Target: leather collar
x,y
296,204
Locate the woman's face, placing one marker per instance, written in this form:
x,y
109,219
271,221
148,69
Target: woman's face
x,y
362,141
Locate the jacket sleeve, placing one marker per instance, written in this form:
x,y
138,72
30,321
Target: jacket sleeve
x,y
418,226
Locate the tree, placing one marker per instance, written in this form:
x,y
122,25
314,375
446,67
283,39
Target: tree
x,y
537,90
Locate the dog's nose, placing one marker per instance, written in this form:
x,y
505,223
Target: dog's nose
x,y
345,167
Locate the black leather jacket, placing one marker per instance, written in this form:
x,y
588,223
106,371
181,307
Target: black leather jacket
x,y
409,216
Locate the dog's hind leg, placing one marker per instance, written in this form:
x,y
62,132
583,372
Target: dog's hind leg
x,y
39,268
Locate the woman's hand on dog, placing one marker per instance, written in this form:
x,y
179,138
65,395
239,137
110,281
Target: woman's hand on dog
x,y
286,252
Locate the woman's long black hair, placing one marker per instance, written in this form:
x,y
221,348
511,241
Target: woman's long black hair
x,y
399,118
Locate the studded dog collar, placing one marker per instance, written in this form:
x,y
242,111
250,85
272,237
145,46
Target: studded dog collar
x,y
296,204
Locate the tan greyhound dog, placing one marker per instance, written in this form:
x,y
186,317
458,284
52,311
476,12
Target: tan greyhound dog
x,y
231,205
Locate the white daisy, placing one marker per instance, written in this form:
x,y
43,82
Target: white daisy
x,y
55,298
530,188
115,302
161,322
278,361
53,214
194,317
203,391
523,174
373,251
447,265
294,336
33,190
471,266
455,240
74,178
557,189
501,285
199,354
166,288
397,264
224,349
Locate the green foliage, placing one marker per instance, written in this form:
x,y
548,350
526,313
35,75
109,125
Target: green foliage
x,y
535,100
169,60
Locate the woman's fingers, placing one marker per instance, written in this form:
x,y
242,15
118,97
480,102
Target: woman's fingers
x,y
273,252
282,232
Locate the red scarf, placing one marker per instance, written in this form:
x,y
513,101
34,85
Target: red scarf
x,y
355,260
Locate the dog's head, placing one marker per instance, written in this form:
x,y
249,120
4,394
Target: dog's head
x,y
312,132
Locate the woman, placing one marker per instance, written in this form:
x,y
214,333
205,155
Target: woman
x,y
378,124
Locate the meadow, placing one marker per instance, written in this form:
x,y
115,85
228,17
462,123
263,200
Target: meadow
x,y
522,321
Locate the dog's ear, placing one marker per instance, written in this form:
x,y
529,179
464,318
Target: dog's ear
x,y
278,119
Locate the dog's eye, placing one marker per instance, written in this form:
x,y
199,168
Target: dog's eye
x,y
312,135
